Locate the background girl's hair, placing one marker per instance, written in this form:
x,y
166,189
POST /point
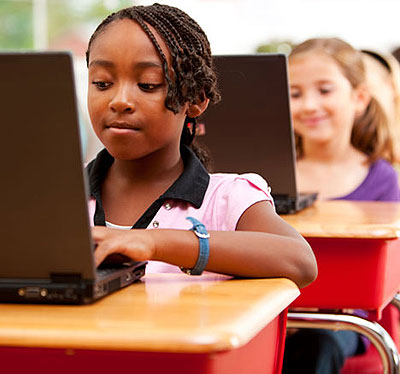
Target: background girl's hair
x,y
193,76
371,133
391,66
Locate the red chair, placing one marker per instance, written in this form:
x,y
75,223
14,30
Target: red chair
x,y
370,361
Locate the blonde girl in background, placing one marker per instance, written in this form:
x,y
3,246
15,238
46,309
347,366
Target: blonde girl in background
x,y
344,140
345,150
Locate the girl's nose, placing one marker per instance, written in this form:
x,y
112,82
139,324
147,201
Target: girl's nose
x,y
122,102
309,102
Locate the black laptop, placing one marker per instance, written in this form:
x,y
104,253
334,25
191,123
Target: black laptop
x,y
46,251
250,130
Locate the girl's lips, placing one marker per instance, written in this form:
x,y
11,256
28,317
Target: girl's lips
x,y
314,121
122,126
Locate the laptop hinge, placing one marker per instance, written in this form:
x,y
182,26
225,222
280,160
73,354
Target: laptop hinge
x,y
66,277
280,196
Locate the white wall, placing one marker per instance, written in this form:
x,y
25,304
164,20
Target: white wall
x,y
239,26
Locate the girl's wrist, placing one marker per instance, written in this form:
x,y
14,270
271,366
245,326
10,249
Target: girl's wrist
x,y
178,247
153,245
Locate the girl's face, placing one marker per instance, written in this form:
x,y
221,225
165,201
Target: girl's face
x,y
324,105
126,95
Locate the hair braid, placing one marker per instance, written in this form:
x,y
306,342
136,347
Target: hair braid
x,y
169,32
170,103
172,100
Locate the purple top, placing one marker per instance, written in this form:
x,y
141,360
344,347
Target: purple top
x,y
380,184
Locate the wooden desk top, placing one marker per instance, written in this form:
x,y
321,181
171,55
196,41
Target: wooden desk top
x,y
348,219
165,312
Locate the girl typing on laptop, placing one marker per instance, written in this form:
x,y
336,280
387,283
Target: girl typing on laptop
x,y
345,149
150,77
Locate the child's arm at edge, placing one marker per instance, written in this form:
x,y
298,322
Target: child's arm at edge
x,y
262,246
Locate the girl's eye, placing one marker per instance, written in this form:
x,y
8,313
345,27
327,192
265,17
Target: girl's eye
x,y
325,90
294,94
102,85
148,87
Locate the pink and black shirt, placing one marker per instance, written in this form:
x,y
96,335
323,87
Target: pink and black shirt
x,y
217,200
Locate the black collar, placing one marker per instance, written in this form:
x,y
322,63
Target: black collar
x,y
191,185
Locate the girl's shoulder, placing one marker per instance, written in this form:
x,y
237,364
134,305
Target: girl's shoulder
x,y
380,184
383,179
232,178
239,183
382,168
228,196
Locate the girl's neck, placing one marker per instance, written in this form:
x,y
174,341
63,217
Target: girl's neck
x,y
157,167
330,152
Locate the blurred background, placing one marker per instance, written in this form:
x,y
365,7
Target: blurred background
x,y
233,27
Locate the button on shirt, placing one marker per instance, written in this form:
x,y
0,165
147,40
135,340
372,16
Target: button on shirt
x,y
217,200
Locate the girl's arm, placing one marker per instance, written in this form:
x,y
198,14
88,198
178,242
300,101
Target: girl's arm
x,y
264,245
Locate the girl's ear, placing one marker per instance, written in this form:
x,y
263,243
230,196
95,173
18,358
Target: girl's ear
x,y
195,110
363,97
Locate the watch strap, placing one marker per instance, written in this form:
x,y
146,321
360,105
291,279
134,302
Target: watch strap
x,y
204,247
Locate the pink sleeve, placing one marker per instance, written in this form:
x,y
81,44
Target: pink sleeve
x,y
92,210
237,196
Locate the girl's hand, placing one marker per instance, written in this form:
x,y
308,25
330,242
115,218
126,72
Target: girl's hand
x,y
135,244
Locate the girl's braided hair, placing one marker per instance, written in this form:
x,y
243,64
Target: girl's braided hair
x,y
194,78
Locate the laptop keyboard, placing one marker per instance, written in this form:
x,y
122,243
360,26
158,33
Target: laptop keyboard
x,y
103,272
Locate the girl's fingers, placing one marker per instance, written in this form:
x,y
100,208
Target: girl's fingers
x,y
101,253
99,256
110,243
130,245
99,233
101,237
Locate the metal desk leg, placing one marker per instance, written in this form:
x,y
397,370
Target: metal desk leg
x,y
396,301
372,330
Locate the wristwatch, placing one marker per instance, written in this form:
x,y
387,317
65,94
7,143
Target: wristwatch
x,y
204,247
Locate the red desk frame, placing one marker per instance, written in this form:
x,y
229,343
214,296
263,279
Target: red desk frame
x,y
169,323
353,274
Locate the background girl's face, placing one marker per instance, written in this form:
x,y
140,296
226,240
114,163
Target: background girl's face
x,y
126,95
323,102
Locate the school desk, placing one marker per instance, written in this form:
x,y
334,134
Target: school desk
x,y
357,248
168,323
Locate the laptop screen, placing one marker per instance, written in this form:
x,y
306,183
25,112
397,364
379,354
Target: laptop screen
x,y
250,130
42,195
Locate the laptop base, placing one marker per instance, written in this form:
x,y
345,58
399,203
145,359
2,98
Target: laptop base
x,y
289,205
68,289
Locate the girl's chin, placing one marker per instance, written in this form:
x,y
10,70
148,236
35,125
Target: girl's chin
x,y
318,138
124,153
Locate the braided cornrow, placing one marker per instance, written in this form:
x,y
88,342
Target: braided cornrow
x,y
194,78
